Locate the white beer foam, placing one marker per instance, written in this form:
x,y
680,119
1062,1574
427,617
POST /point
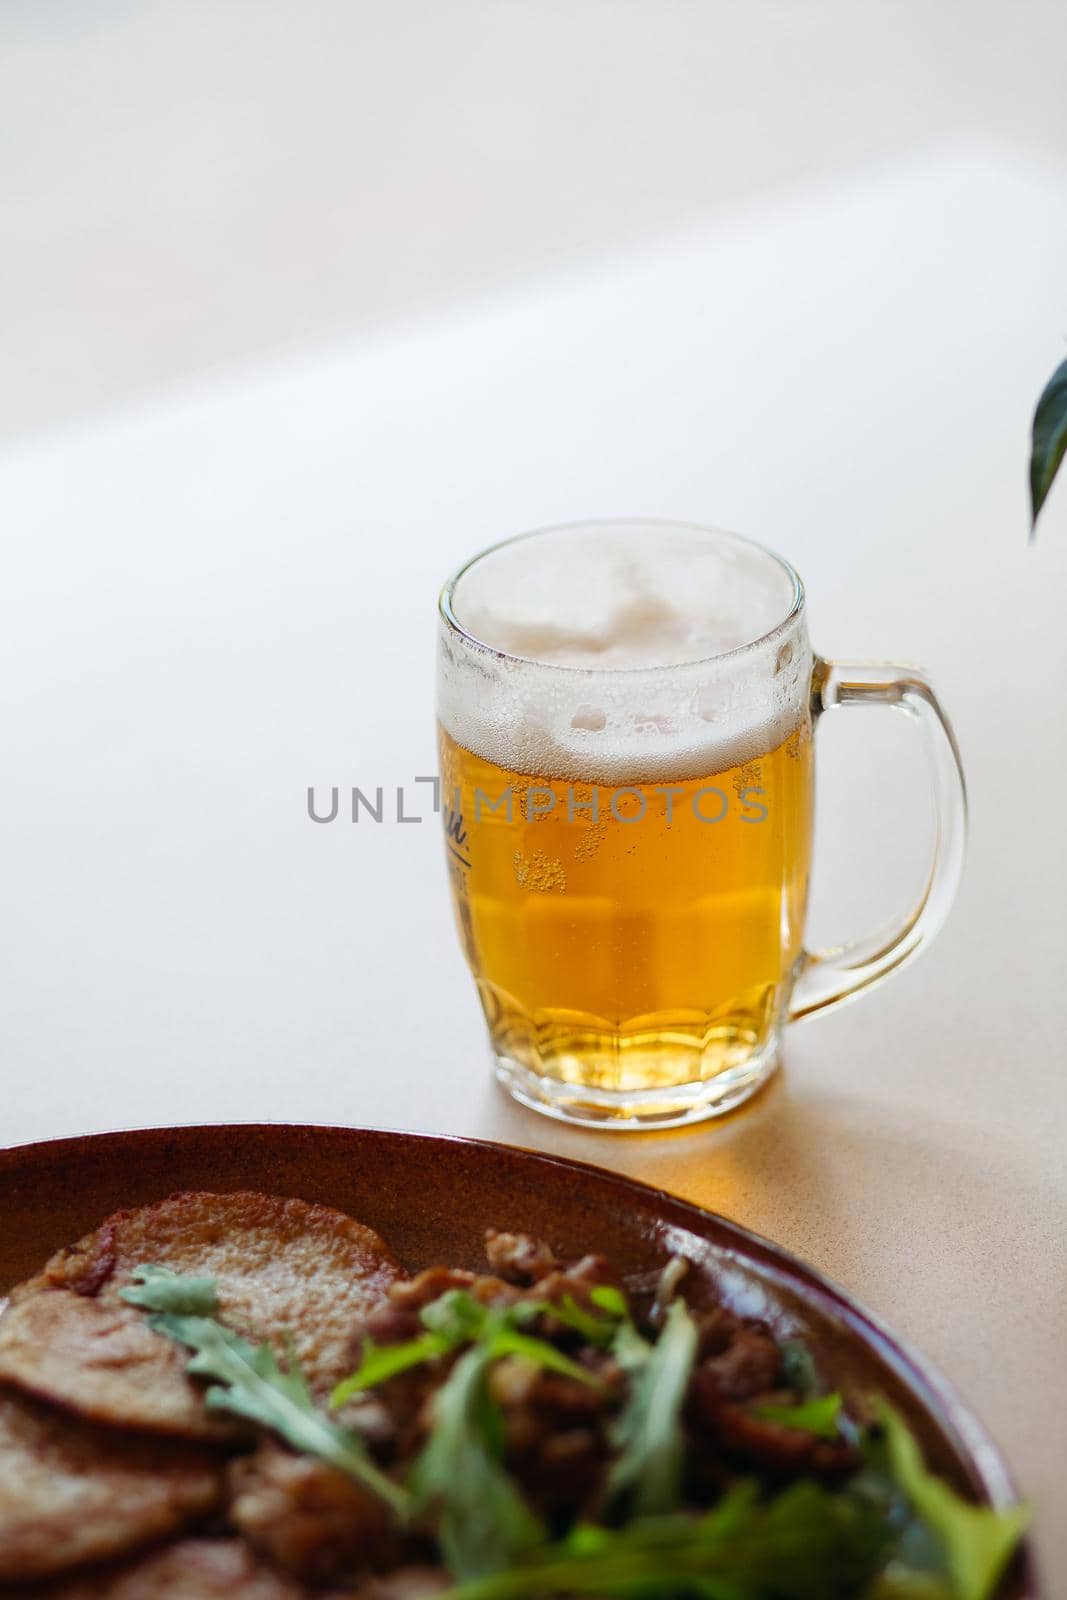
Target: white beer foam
x,y
617,661
599,599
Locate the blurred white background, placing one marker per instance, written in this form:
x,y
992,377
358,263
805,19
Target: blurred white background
x,y
186,181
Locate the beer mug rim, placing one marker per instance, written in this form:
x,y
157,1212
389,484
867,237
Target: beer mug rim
x,y
655,525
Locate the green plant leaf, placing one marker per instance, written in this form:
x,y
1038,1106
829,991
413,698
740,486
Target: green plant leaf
x,y
456,1319
160,1289
508,1341
978,1540
820,1417
482,1521
249,1382
900,1582
806,1544
378,1363
457,1314
607,1298
648,1431
568,1313
1048,440
630,1348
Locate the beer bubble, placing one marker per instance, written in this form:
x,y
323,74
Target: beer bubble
x,y
539,873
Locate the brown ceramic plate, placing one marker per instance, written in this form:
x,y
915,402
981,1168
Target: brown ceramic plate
x,y
432,1198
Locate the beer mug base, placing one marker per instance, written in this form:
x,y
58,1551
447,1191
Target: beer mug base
x,y
634,1110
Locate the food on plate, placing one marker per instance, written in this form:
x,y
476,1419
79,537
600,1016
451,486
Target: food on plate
x,y
72,1492
305,1516
192,1569
539,1428
277,1265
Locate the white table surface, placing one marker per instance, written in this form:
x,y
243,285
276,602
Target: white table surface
x,y
225,594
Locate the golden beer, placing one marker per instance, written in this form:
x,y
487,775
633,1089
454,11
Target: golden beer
x,y
625,713
631,937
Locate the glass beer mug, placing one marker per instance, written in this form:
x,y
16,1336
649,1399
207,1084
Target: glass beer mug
x,y
626,713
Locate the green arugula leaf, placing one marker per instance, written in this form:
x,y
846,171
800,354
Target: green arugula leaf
x,y
648,1431
978,1541
381,1362
508,1341
456,1314
609,1299
568,1313
630,1349
820,1417
1048,440
455,1319
900,1582
250,1383
483,1522
807,1544
160,1289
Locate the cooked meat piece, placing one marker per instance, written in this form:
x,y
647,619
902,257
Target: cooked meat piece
x,y
405,1583
717,1328
281,1266
553,1434
428,1285
517,1257
572,1468
562,1401
433,1282
71,1492
776,1451
576,1281
306,1516
391,1324
745,1359
193,1569
397,1317
370,1417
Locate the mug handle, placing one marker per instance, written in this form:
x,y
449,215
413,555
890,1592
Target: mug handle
x,y
826,977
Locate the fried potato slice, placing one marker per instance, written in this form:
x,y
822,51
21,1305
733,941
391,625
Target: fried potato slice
x,y
284,1270
71,1492
192,1569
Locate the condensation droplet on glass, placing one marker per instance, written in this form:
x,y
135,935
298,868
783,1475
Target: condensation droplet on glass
x,y
589,718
